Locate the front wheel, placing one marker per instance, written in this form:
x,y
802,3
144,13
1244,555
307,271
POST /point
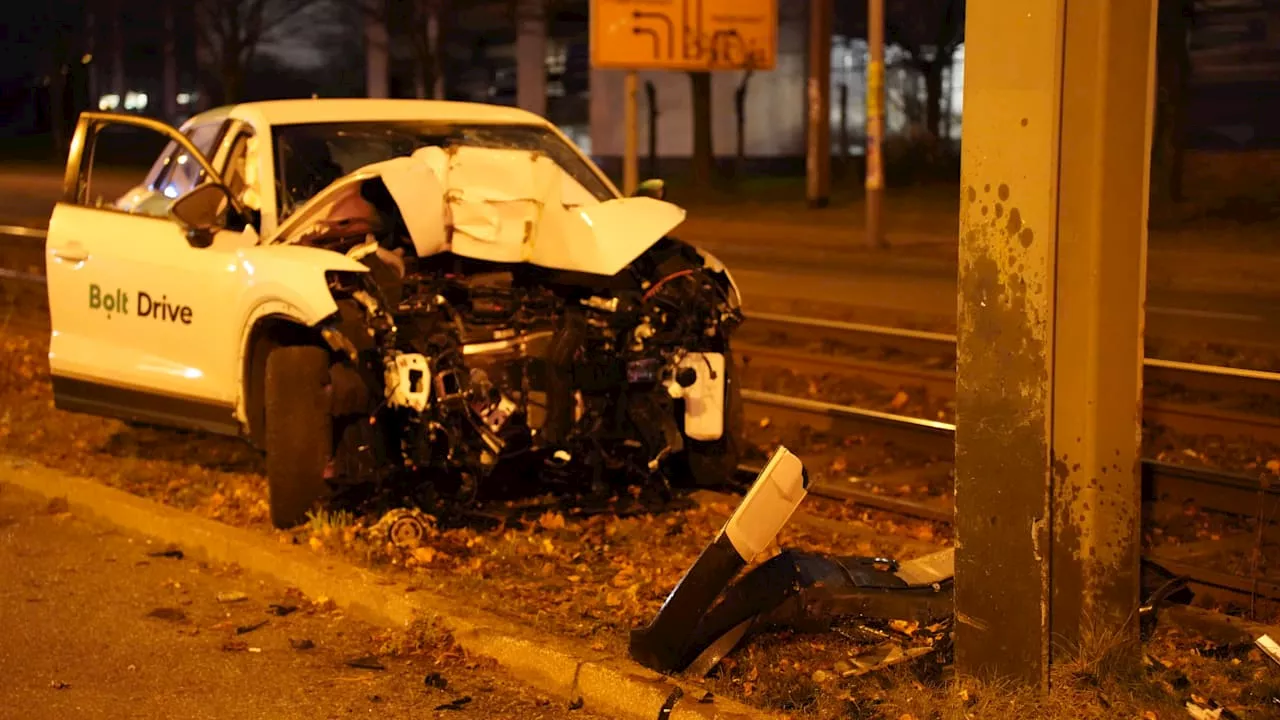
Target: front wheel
x,y
299,437
715,463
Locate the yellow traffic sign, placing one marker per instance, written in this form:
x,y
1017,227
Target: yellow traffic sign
x,y
684,34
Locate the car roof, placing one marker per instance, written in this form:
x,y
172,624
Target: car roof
x,y
319,110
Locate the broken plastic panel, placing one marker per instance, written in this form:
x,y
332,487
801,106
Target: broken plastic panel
x,y
777,491
812,593
804,591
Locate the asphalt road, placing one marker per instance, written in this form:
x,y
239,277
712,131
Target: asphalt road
x,y
774,278
92,625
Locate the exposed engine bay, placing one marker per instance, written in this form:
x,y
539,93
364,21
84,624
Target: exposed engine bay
x,y
473,371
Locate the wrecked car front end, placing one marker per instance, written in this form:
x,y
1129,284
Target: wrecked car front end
x,y
515,331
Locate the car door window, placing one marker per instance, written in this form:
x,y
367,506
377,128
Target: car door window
x,y
110,177
178,172
174,173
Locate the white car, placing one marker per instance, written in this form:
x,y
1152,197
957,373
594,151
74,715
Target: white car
x,y
368,290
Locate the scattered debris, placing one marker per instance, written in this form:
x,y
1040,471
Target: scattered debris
x,y
403,527
1173,588
174,553
169,614
806,592
301,644
245,629
231,597
455,704
58,685
435,680
576,703
665,711
1201,708
1268,646
235,646
664,645
281,610
368,662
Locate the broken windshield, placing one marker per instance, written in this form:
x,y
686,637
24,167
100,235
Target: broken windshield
x,y
309,157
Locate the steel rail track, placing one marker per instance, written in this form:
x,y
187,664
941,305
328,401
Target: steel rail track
x,y
945,344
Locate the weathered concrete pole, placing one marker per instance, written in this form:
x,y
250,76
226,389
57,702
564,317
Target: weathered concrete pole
x,y
1053,225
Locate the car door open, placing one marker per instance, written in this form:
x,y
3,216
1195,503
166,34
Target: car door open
x,y
126,296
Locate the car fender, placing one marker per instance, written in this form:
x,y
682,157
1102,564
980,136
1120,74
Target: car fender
x,y
288,282
716,266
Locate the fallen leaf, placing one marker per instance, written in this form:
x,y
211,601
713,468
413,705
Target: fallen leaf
x,y
551,521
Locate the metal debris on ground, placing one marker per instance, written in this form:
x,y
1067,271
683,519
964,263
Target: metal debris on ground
x,y
435,680
368,662
403,527
58,685
235,646
281,610
801,591
456,704
1268,646
231,597
301,644
1176,683
665,711
245,629
174,553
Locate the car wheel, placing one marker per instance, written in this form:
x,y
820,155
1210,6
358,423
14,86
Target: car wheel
x,y
299,431
716,462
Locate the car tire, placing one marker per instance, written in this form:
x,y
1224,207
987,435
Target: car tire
x,y
299,431
715,463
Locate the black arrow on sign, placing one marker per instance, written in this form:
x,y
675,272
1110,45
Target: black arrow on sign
x,y
639,15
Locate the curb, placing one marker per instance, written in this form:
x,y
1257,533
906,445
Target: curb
x,y
608,685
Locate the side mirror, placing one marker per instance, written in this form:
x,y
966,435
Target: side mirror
x,y
200,211
653,188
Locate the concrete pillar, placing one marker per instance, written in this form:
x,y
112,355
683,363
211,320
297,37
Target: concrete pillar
x,y
1053,226
376,49
531,56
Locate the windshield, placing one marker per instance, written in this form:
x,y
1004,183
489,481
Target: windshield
x,y
310,157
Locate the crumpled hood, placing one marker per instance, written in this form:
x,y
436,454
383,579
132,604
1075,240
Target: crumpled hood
x,y
513,206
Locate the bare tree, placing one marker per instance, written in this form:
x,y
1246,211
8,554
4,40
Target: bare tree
x,y
930,31
704,161
419,24
1175,20
232,31
426,18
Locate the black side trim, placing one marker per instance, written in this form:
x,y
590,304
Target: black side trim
x,y
92,398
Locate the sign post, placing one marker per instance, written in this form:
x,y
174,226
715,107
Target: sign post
x,y
630,158
688,35
875,123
